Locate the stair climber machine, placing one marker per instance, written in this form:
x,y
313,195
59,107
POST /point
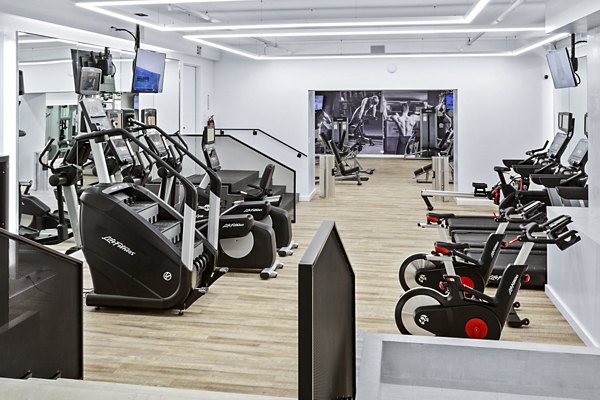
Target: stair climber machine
x,y
141,252
463,312
537,159
245,244
262,211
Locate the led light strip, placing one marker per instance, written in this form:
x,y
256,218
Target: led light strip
x,y
235,35
98,7
512,53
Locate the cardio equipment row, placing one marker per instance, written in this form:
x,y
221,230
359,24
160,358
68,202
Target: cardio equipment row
x,y
445,289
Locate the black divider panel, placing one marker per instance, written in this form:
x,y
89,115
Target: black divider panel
x,y
326,316
41,320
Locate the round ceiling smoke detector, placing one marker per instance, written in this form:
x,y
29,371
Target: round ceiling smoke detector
x,y
392,68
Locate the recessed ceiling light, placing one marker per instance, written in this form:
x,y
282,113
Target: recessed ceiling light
x,y
447,20
366,32
513,53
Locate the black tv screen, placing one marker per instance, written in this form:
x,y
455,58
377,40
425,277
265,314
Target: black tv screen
x,y
21,84
149,71
319,102
561,69
327,319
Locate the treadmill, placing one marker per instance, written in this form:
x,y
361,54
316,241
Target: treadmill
x,y
566,126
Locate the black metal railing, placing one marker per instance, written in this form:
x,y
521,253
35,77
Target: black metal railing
x,y
256,131
278,163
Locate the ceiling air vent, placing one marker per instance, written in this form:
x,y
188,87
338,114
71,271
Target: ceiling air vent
x,y
380,49
140,14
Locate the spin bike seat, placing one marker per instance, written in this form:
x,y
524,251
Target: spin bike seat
x,y
452,246
501,169
480,185
435,217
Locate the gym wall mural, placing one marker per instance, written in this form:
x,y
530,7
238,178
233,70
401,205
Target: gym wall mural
x,y
416,123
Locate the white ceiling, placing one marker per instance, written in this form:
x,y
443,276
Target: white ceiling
x,y
225,17
171,21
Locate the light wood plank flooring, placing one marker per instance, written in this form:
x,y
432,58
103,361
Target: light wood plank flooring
x,y
242,336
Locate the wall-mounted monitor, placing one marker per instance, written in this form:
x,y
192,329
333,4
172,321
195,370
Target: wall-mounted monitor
x,y
561,69
319,100
149,72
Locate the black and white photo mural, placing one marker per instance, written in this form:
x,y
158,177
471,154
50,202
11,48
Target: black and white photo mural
x,y
415,123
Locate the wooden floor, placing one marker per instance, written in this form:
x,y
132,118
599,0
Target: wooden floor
x,y
242,336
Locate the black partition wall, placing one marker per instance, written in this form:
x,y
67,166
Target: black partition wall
x,y
326,318
4,192
41,311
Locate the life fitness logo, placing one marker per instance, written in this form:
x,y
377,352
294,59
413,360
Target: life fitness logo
x,y
115,243
167,276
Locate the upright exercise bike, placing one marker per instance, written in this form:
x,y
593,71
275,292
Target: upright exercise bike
x,y
464,312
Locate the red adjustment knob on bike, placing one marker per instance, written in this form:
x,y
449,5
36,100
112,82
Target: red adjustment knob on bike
x,y
526,278
476,329
442,286
505,245
432,220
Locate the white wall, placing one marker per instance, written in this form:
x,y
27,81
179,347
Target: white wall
x,y
505,104
32,119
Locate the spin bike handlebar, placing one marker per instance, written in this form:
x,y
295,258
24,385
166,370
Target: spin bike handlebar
x,y
556,233
534,151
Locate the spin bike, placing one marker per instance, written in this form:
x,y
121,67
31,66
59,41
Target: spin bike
x,y
428,270
464,312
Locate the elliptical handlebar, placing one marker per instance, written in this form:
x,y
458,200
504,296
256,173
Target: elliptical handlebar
x,y
191,195
45,151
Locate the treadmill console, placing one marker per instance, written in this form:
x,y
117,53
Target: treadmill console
x,y
579,156
95,115
558,145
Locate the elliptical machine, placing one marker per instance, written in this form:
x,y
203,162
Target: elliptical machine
x,y
464,312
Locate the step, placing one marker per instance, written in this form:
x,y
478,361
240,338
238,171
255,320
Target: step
x,y
146,209
170,229
66,389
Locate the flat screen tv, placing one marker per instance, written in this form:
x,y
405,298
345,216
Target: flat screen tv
x,y
319,102
148,72
327,319
561,69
